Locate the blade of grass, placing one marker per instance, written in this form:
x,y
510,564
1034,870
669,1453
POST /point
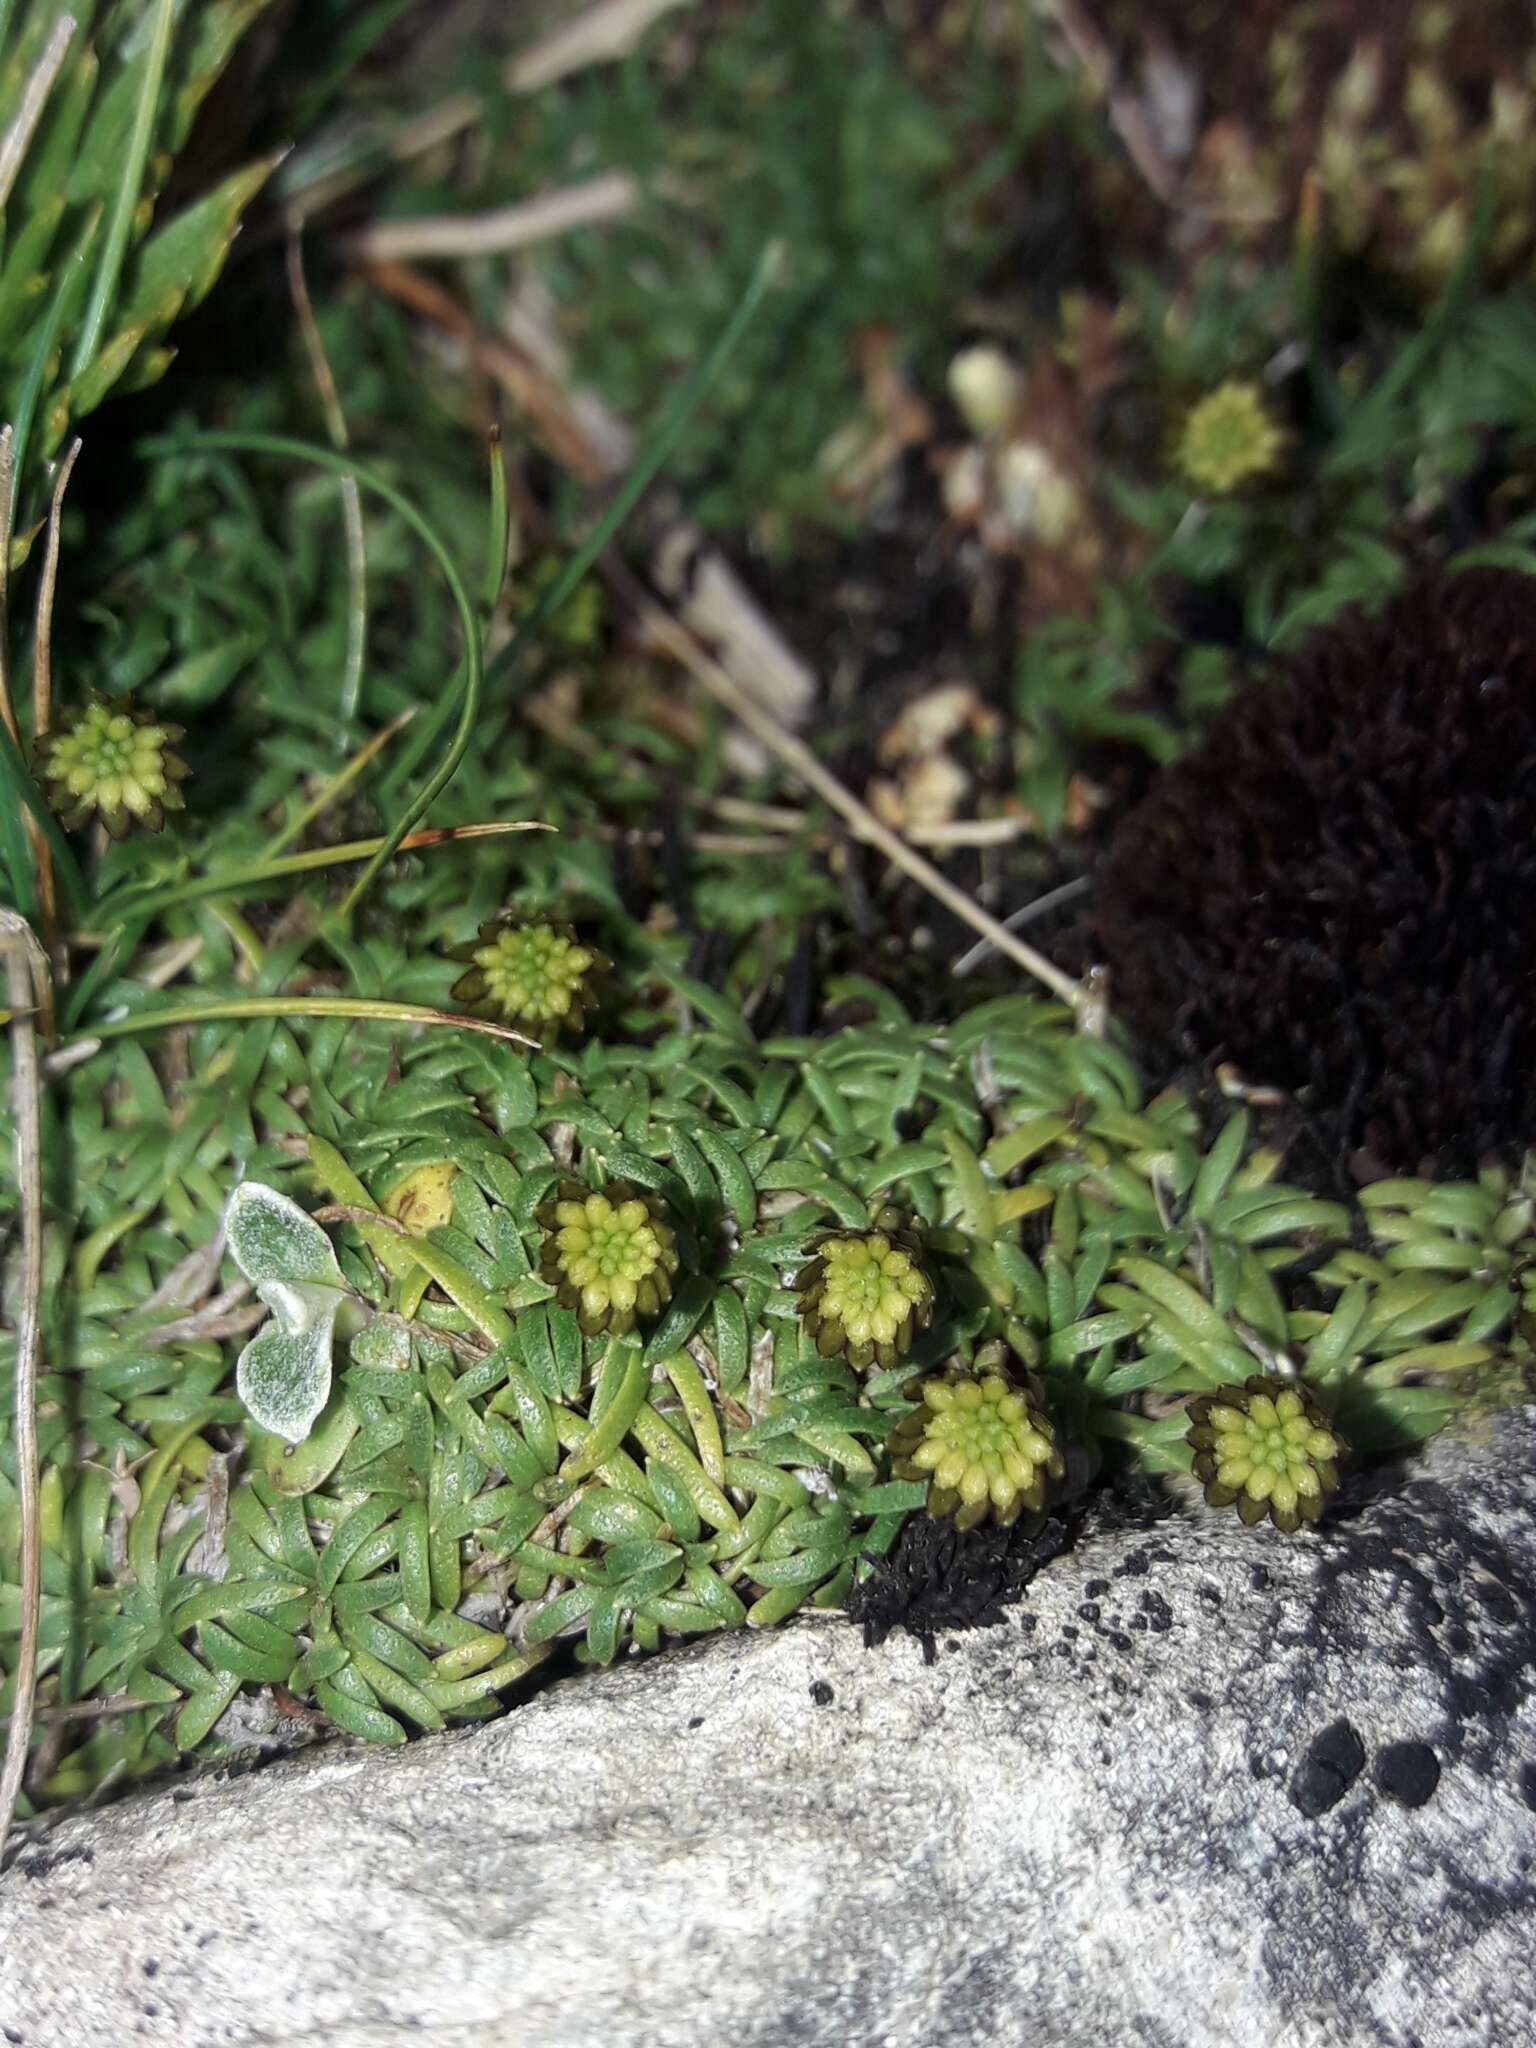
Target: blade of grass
x,y
499,528
31,390
242,881
654,451
34,96
125,205
281,446
15,780
1307,287
351,501
42,710
341,781
1415,356
291,1009
7,519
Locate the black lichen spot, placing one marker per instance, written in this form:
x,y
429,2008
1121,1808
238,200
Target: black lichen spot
x,y
1337,888
1334,1759
46,1861
939,1578
1408,1772
696,1721
821,1692
151,1967
1159,1614
1526,1780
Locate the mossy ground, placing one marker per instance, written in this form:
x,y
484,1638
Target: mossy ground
x,y
1011,623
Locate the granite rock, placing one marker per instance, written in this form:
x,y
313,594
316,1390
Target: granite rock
x,y
1204,1786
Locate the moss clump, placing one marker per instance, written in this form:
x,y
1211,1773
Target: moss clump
x,y
610,1256
1337,888
863,1294
112,760
1266,1448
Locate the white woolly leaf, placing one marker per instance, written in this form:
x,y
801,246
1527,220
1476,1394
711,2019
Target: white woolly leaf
x,y
284,1376
284,1373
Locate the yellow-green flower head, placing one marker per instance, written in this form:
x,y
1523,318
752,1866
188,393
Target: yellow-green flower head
x,y
112,760
863,1295
1268,1447
610,1256
535,973
1229,438
985,1445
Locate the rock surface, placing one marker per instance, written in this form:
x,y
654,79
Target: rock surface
x,y
1206,1787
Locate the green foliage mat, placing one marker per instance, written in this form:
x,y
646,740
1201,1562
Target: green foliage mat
x,y
482,1481
485,1481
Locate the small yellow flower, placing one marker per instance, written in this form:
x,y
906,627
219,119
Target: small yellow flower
x,y
610,1256
112,759
1229,438
1268,1447
536,974
985,1445
863,1294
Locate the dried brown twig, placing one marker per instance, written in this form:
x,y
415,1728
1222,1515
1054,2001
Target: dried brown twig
x,y
1084,45
603,198
666,634
42,720
26,977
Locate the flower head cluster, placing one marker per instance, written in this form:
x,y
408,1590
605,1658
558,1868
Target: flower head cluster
x,y
112,760
610,1256
864,1293
537,974
1229,438
1267,1447
985,1444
